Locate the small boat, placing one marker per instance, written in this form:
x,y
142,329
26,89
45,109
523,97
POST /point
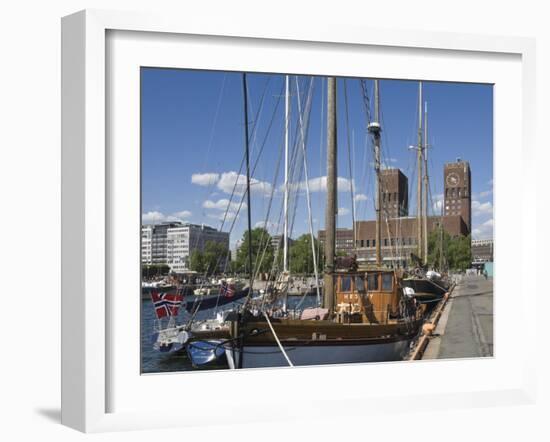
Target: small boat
x,y
206,302
204,354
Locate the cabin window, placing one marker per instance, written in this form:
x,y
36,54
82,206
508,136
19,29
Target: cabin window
x,y
359,284
387,282
372,282
345,283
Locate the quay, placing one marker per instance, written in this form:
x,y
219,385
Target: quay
x,y
464,326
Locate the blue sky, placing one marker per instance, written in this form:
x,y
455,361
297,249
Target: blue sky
x,y
193,144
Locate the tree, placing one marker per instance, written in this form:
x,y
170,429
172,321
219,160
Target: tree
x,y
149,271
262,251
210,260
301,258
215,256
445,251
196,261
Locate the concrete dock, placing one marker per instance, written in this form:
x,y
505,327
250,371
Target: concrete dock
x,y
465,328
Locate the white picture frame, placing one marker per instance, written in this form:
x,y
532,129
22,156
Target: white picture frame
x,y
87,210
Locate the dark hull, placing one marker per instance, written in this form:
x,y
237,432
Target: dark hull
x,y
206,302
426,290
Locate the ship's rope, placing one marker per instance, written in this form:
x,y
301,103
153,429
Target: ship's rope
x,y
352,190
277,340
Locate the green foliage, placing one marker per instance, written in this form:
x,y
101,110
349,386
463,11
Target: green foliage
x,y
301,258
196,262
446,252
210,260
262,251
149,271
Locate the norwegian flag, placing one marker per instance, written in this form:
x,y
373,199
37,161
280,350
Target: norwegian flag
x,y
227,290
166,304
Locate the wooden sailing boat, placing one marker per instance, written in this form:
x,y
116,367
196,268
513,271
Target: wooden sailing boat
x,y
366,316
428,286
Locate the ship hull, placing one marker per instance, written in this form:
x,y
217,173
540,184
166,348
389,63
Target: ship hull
x,y
425,289
258,356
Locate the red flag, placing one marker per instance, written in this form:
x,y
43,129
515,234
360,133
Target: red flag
x,y
227,290
166,304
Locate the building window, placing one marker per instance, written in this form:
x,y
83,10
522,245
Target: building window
x,y
368,242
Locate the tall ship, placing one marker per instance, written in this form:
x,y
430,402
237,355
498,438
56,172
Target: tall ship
x,y
364,314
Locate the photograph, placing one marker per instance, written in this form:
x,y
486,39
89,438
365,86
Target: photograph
x,y
305,220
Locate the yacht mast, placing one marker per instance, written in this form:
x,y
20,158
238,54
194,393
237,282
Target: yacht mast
x,y
250,269
287,132
426,184
375,129
330,220
419,178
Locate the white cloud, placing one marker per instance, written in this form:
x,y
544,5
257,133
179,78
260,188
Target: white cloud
x,y
179,216
152,217
342,211
156,217
484,230
360,197
227,182
230,216
479,208
437,203
319,184
224,204
485,193
272,227
205,179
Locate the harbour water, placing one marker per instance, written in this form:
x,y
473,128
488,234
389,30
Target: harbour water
x,y
154,361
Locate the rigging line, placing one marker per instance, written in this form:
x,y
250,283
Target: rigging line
x,y
297,168
278,342
257,265
304,141
215,122
254,130
245,105
253,169
307,113
350,166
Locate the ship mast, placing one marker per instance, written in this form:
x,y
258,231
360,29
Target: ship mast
x,y
287,132
426,184
330,220
245,104
374,128
419,178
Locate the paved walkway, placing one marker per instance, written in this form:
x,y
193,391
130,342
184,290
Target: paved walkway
x,y
465,329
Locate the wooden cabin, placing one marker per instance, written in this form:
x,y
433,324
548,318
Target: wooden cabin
x,y
370,296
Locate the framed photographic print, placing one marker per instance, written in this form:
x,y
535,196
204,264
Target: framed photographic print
x,y
287,210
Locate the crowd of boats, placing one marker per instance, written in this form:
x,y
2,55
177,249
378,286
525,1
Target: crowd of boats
x,y
359,312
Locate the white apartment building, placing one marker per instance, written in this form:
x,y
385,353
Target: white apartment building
x,y
173,243
146,244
